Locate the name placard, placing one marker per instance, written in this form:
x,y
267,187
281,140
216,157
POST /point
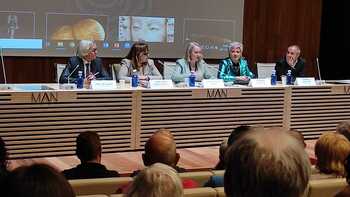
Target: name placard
x,y
305,81
266,82
213,83
103,84
161,84
68,86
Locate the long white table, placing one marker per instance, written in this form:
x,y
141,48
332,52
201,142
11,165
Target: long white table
x,y
36,123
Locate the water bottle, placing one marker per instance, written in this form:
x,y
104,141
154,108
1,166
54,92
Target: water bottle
x,y
134,79
289,77
80,80
192,79
273,77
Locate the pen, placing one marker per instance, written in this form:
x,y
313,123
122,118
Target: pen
x,y
96,73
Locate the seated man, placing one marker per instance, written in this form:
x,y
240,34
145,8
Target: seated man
x,y
292,61
89,151
266,162
85,61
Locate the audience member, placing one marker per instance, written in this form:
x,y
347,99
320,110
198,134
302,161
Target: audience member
x,y
222,149
235,67
85,61
89,151
137,59
291,61
3,160
346,191
157,180
344,129
266,162
37,180
299,136
192,62
331,150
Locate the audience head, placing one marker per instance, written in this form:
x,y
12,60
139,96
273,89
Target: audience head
x,y
38,180
88,147
87,50
222,150
161,148
293,54
157,180
3,156
235,51
344,129
138,54
266,162
331,150
299,136
237,133
193,52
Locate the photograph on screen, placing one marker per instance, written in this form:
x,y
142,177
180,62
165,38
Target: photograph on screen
x,y
61,28
149,29
17,25
211,34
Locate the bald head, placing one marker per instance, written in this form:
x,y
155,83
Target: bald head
x,y
161,148
268,162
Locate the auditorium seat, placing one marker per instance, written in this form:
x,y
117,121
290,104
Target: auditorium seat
x,y
220,192
95,195
168,69
200,177
200,192
218,172
105,186
326,187
265,69
115,71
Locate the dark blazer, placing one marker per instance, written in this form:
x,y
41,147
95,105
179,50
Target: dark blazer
x,y
282,68
89,171
95,66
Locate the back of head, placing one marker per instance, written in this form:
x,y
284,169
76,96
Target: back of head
x,y
299,136
88,146
84,47
266,162
157,180
38,180
344,129
331,150
237,133
161,148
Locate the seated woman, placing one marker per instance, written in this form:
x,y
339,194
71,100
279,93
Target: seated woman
x,y
193,61
234,67
137,59
331,150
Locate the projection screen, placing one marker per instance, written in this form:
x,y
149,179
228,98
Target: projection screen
x,y
53,28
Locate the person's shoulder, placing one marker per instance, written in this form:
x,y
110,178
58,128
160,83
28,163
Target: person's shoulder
x,y
74,59
181,61
125,62
69,173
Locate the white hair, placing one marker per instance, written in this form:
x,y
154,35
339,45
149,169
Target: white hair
x,y
235,45
84,47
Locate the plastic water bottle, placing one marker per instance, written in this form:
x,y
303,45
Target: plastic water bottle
x,y
80,80
273,77
192,79
134,79
289,77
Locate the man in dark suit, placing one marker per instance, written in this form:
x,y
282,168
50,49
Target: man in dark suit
x,y
85,61
292,61
89,151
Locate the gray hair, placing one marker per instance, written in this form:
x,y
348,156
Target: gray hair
x,y
156,181
189,50
84,47
297,48
235,45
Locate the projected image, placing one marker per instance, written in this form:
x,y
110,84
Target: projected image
x,y
17,25
62,27
211,34
149,29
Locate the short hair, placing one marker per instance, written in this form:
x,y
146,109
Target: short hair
x,y
299,136
266,162
344,129
161,148
3,155
135,50
297,48
84,47
158,180
37,180
235,45
237,133
189,49
88,146
331,150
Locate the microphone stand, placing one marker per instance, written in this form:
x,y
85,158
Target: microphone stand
x,y
72,72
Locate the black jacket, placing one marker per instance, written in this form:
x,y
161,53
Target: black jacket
x,y
89,171
282,68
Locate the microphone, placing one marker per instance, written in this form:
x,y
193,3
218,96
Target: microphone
x,y
3,65
75,68
12,21
318,69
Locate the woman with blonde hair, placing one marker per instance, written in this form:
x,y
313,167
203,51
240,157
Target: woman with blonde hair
x,y
331,150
